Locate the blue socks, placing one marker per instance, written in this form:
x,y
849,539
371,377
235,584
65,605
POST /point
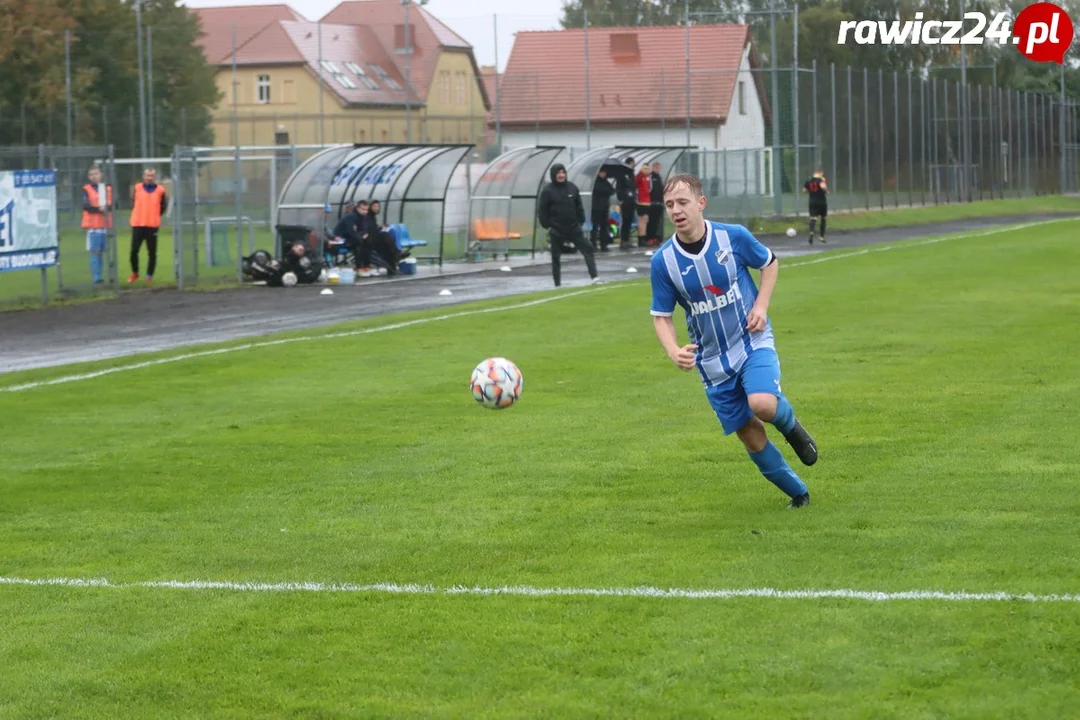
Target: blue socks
x,y
784,420
776,470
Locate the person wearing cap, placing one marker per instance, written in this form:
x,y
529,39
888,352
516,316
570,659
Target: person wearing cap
x,y
561,213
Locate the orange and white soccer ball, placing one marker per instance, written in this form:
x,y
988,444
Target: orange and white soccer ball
x,y
496,383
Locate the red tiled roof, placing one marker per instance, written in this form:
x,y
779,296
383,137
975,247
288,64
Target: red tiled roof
x,y
635,75
356,44
345,49
217,25
362,32
426,34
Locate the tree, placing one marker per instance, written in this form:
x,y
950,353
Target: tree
x,y
32,82
635,13
104,69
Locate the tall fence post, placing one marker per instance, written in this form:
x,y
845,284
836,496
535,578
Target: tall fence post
x,y
866,131
177,217
851,145
815,158
832,114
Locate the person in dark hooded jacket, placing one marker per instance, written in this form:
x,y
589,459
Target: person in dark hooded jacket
x,y
561,213
601,204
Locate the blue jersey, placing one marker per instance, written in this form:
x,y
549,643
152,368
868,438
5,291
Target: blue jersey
x,y
717,292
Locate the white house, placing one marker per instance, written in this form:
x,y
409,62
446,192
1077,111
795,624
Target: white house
x,y
629,86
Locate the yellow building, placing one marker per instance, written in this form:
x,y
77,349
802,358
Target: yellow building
x,y
344,79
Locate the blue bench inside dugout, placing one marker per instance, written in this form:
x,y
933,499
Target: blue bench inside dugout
x,y
400,233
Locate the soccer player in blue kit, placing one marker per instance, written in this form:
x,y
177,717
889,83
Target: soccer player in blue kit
x,y
705,269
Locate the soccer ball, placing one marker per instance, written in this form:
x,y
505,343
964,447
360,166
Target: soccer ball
x,y
791,232
496,383
288,279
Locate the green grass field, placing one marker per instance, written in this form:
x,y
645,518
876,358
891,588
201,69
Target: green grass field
x,y
939,380
859,219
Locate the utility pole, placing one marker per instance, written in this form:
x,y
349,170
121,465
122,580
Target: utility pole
x,y
408,76
142,88
689,141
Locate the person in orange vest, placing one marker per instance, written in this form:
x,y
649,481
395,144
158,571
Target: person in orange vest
x,y
95,220
149,204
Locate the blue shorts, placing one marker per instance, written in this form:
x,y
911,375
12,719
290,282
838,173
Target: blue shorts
x,y
759,374
96,240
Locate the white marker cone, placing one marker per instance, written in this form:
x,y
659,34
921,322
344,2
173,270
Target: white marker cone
x,y
631,269
327,291
505,268
444,293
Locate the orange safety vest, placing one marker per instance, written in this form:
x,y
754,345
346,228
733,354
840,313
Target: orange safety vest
x,y
146,211
95,221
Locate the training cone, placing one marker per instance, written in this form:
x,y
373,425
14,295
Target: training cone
x,y
445,293
648,253
631,269
327,291
505,268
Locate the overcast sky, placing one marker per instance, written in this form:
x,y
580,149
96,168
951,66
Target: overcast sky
x,y
473,20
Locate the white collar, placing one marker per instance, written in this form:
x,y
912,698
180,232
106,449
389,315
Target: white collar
x,y
709,230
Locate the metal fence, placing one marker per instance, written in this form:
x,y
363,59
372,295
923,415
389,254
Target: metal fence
x,y
884,139
72,274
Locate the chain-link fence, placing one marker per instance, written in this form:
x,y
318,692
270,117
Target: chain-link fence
x,y
74,272
884,139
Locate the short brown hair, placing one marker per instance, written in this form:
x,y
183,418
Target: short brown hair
x,y
692,182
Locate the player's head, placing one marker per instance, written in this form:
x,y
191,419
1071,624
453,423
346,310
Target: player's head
x,y
819,171
375,207
656,167
149,176
601,173
558,173
94,174
644,168
362,207
685,201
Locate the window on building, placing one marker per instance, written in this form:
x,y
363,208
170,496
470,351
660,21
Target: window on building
x,y
385,77
335,72
262,89
367,80
444,87
401,46
742,97
462,89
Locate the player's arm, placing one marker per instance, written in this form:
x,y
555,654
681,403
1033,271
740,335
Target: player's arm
x,y
751,253
663,307
87,205
542,210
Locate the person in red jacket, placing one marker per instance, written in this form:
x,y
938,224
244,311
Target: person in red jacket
x,y
643,181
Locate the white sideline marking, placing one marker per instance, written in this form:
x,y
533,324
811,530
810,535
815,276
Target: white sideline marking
x,y
466,313
528,591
